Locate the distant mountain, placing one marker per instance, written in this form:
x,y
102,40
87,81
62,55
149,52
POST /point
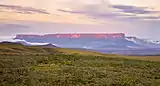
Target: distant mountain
x,y
7,42
107,43
25,43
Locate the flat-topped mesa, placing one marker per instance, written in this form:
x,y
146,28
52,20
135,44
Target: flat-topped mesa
x,y
111,35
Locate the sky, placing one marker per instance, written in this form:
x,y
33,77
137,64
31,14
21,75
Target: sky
x,y
140,18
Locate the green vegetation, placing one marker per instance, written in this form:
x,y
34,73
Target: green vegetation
x,y
36,66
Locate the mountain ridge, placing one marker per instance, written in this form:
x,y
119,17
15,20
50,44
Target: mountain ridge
x,y
116,43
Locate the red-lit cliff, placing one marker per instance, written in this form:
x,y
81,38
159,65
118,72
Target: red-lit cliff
x,y
111,35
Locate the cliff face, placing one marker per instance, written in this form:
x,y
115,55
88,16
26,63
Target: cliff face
x,y
115,35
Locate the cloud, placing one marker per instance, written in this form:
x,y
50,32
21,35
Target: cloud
x,y
6,29
20,9
144,18
12,25
98,10
105,11
96,14
134,9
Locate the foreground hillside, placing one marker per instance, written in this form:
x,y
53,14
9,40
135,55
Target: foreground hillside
x,y
19,49
37,66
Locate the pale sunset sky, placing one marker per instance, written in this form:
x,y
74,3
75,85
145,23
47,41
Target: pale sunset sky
x,y
140,18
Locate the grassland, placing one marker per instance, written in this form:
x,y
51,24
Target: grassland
x,y
36,66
